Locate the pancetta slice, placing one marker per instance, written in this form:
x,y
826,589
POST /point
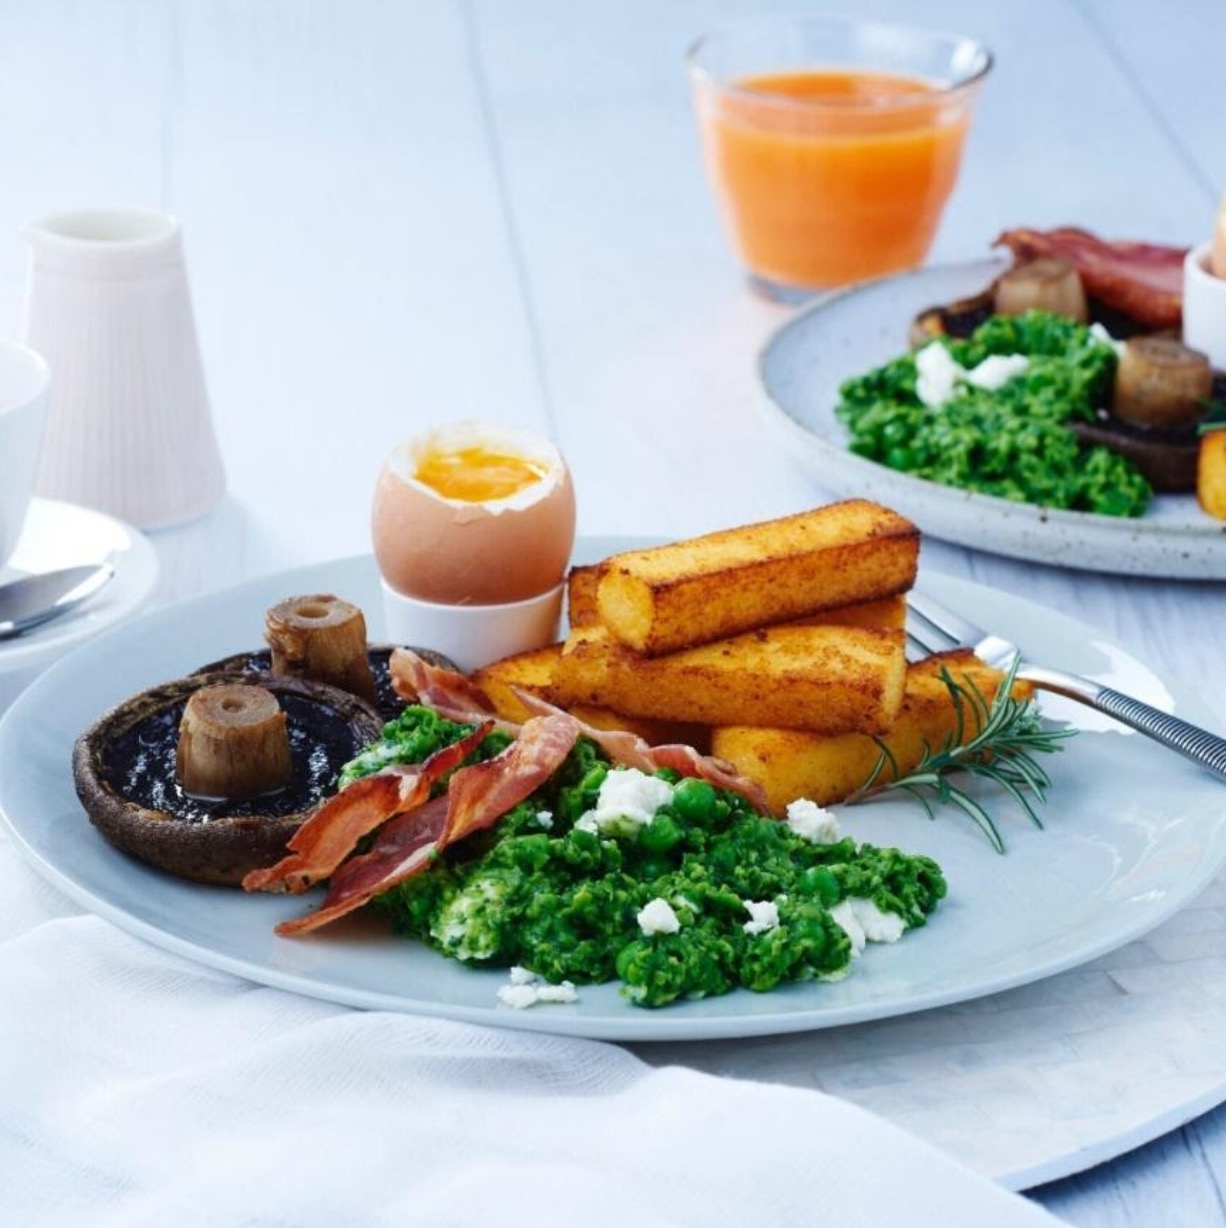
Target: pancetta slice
x,y
324,841
629,750
1142,281
403,846
477,797
450,694
482,793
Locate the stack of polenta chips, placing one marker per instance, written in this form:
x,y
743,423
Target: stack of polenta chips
x,y
777,646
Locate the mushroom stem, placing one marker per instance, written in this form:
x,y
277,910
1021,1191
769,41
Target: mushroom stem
x,y
1045,284
322,638
1161,383
233,743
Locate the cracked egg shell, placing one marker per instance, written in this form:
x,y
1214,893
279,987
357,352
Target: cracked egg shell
x,y
473,514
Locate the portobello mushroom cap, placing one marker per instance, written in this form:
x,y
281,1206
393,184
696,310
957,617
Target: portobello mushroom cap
x,y
1166,458
123,767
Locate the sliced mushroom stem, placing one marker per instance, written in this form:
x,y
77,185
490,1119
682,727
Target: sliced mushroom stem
x,y
1046,284
323,638
233,743
1160,382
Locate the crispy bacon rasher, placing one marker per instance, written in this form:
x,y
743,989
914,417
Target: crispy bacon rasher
x,y
629,750
1142,281
407,838
319,846
459,699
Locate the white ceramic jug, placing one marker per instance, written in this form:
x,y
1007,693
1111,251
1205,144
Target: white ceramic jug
x,y
108,307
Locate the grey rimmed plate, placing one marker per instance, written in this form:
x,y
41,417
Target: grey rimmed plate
x,y
1132,833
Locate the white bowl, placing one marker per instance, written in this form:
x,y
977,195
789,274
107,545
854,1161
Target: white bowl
x,y
24,383
473,635
1204,307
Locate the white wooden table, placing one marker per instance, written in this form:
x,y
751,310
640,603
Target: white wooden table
x,y
400,213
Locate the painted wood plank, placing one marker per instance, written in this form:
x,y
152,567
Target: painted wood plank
x,y
1173,54
82,88
648,334
353,275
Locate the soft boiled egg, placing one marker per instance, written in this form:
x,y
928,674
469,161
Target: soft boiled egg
x,y
473,513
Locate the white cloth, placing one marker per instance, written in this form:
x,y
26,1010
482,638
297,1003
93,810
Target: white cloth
x,y
137,1088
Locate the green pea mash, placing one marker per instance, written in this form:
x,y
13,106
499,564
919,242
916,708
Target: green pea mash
x,y
1012,441
558,885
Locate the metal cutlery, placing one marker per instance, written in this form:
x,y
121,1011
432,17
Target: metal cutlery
x,y
936,628
34,600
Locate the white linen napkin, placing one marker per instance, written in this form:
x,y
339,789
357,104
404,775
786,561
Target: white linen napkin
x,y
137,1088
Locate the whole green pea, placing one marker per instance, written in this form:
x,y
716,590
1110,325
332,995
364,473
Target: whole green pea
x,y
660,834
694,800
820,884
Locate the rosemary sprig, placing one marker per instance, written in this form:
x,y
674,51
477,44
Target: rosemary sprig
x,y
1010,733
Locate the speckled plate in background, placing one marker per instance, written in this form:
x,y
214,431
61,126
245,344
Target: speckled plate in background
x,y
848,333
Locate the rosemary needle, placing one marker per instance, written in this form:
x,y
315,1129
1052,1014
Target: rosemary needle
x,y
1009,734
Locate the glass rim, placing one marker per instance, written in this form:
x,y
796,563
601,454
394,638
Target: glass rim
x,y
704,76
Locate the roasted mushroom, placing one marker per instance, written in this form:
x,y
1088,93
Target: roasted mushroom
x,y
958,319
1159,382
233,743
124,768
1046,284
1167,459
320,637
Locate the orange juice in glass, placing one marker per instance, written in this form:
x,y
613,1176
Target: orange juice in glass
x,y
832,144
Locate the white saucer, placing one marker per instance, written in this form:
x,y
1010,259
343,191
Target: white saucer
x,y
63,535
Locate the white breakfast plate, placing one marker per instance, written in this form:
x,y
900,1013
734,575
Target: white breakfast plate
x,y
1133,832
848,333
58,534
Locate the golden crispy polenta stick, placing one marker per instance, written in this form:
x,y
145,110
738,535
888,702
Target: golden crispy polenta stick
x,y
828,679
789,763
708,588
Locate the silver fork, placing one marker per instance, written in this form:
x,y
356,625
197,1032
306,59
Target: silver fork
x,y
936,628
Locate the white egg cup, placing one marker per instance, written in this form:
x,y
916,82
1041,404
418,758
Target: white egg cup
x,y
1204,307
473,635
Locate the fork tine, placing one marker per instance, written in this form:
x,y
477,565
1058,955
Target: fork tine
x,y
916,649
945,620
930,636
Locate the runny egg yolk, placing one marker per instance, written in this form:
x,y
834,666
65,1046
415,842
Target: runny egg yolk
x,y
477,474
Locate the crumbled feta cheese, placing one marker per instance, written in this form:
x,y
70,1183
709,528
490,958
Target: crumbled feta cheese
x,y
997,370
545,818
527,989
657,917
519,997
878,926
938,374
627,800
862,921
813,822
587,822
763,916
845,915
1099,333
563,992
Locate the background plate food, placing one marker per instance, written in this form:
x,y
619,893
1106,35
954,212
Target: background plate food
x,y
1133,832
846,334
